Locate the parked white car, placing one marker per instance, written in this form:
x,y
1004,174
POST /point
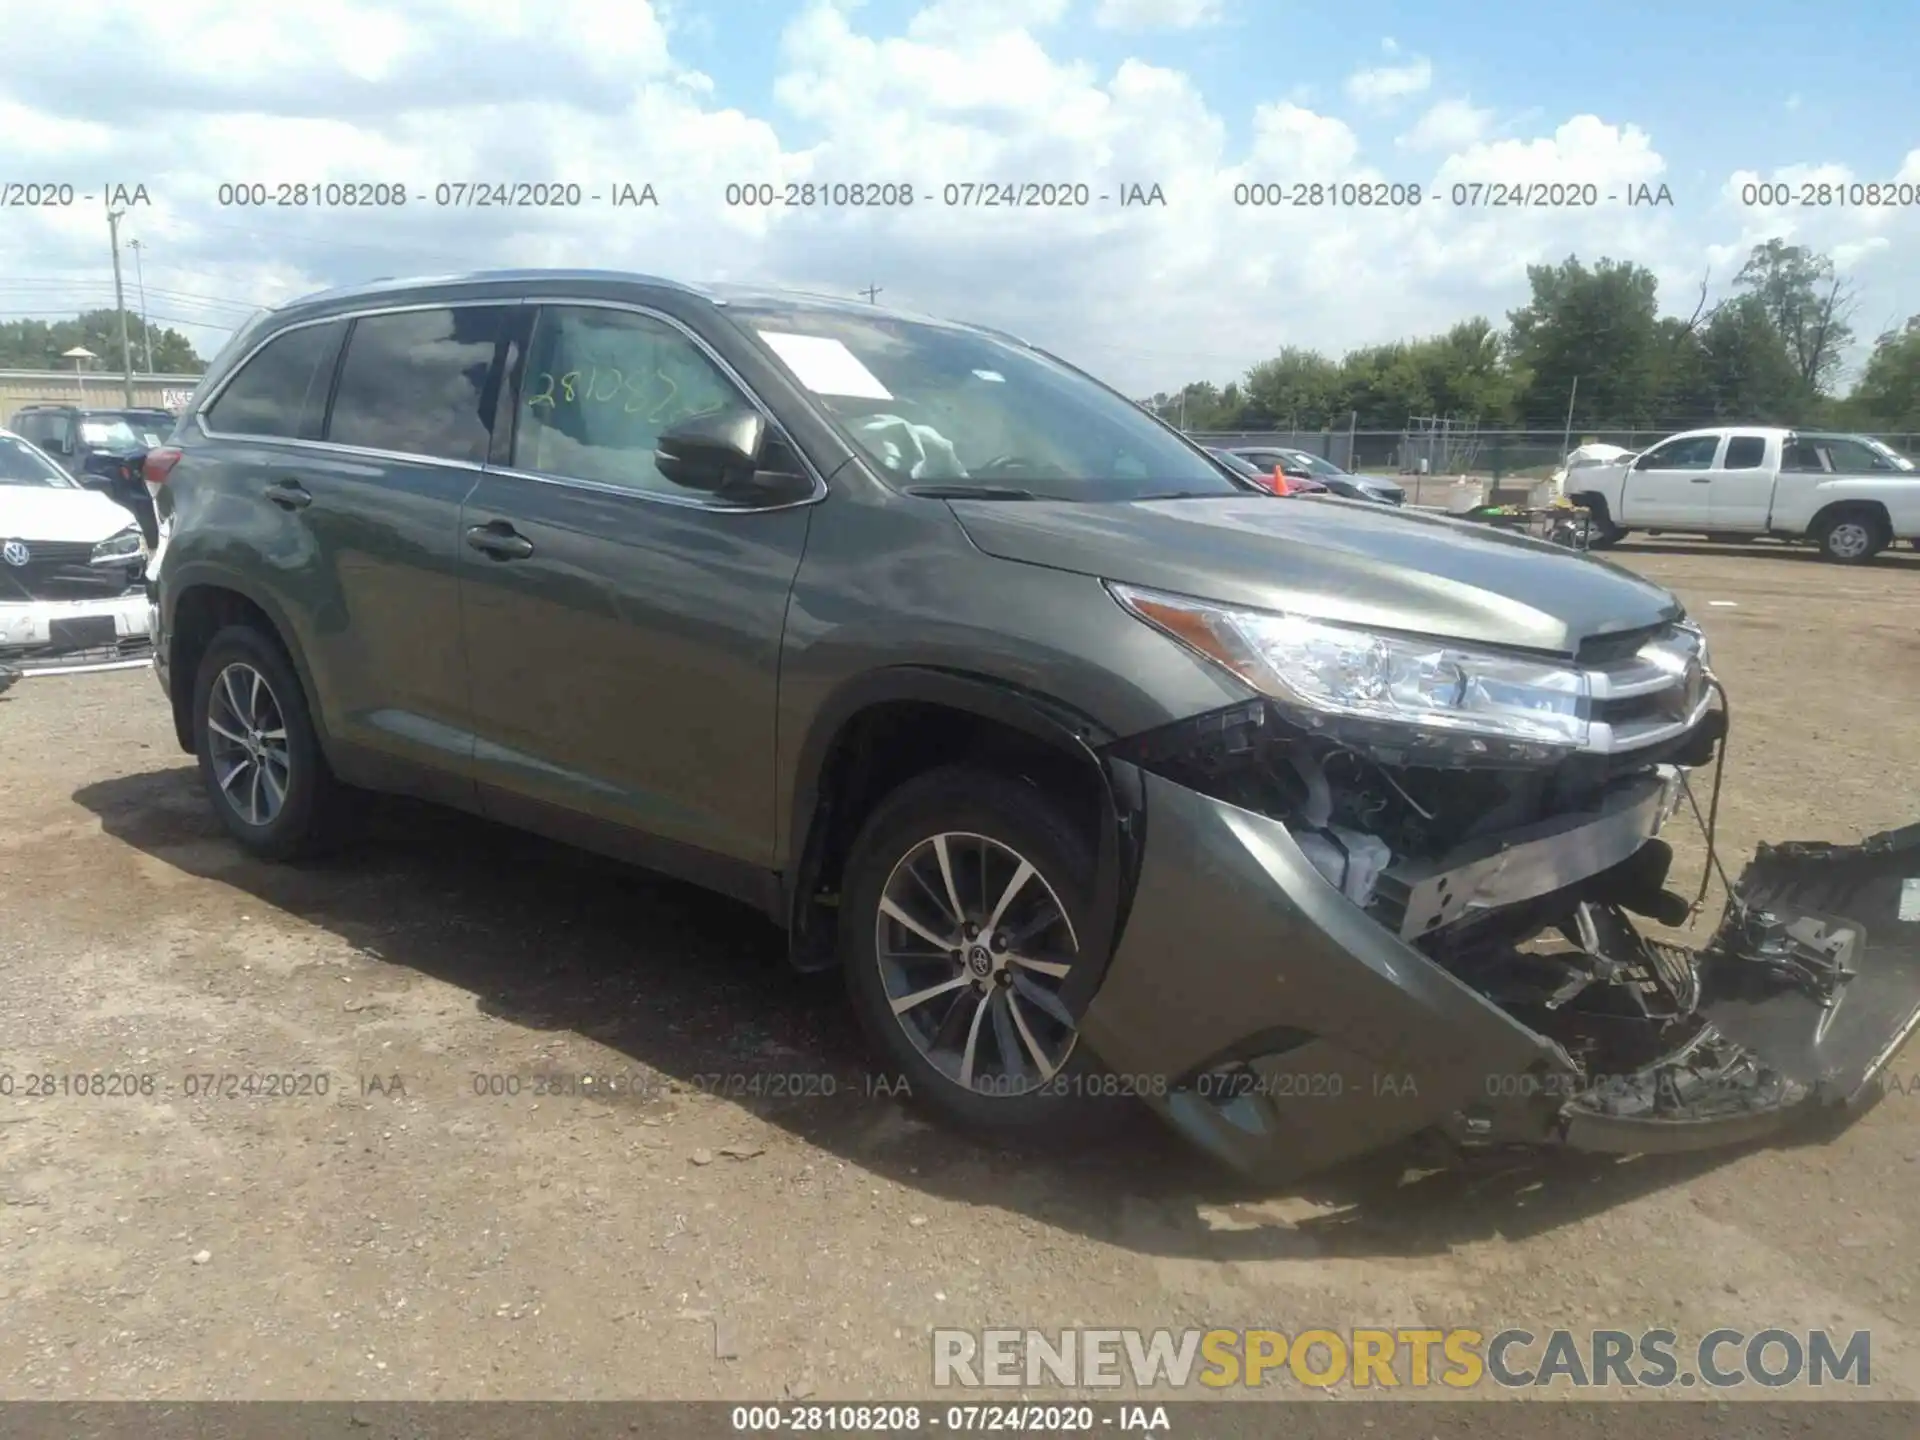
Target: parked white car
x,y
71,569
1850,494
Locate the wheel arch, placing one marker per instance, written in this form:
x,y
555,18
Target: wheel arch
x,y
884,727
203,601
1834,508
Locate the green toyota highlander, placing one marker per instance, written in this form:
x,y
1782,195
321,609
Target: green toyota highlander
x,y
1105,778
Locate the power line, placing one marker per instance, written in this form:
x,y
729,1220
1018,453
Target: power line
x,y
56,285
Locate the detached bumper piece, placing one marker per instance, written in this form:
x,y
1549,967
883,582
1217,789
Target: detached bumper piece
x,y
1296,1029
1809,988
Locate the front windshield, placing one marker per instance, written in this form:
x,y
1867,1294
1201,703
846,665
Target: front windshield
x,y
1880,447
110,433
21,464
150,427
1239,464
932,404
1316,465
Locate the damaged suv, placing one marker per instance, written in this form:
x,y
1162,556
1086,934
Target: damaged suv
x,y
1314,825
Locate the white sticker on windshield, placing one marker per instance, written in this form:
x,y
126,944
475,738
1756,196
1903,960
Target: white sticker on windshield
x,y
94,434
825,366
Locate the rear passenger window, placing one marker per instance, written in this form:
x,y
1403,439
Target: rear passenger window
x,y
282,390
599,389
1745,452
415,382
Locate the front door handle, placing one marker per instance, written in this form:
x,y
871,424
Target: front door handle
x,y
1703,479
498,540
289,495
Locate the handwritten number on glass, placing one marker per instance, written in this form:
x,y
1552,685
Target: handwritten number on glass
x,y
552,391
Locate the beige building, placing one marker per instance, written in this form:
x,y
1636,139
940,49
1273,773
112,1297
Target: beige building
x,y
28,387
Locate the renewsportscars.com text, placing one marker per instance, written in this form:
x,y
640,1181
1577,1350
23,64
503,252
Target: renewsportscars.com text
x,y
1458,1359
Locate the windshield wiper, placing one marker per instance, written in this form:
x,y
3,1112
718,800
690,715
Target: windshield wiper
x,y
969,492
1192,494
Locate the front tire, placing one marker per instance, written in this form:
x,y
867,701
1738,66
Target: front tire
x,y
965,904
1852,536
1602,533
260,759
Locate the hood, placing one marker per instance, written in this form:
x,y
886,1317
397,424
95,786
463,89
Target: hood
x,y
40,512
1339,560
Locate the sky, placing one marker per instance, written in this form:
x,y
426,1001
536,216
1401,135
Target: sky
x,y
1740,122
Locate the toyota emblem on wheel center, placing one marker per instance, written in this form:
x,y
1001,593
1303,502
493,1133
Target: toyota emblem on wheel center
x,y
15,553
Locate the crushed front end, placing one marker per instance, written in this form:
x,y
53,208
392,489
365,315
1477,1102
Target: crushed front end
x,y
1345,930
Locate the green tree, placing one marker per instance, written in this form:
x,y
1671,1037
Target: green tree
x,y
1599,325
1749,374
1888,395
1465,373
40,344
1298,388
1806,302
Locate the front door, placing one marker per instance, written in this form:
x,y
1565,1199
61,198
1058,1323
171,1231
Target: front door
x,y
1667,488
623,634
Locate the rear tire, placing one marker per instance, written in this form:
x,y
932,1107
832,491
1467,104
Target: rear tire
x,y
986,1045
1852,536
260,759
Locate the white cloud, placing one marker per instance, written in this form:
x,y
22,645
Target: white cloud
x,y
961,93
1449,125
1156,14
1385,84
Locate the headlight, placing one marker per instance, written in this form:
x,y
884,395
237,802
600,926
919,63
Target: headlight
x,y
122,549
1413,684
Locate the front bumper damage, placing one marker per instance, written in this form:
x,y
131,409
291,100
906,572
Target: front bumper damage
x,y
1300,1022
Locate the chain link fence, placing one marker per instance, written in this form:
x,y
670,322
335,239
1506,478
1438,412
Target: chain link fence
x,y
1493,455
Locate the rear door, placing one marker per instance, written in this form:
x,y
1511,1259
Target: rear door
x,y
407,433
347,521
1742,484
1668,486
623,633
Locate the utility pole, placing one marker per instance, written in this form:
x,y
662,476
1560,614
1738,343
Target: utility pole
x,y
1566,438
1353,424
120,303
140,281
871,292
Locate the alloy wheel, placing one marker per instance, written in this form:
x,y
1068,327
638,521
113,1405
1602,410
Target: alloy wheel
x,y
974,947
247,740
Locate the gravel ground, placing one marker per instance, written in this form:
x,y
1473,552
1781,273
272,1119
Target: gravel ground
x,y
410,1234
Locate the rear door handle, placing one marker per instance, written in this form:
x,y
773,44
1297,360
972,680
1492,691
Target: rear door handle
x,y
289,495
499,541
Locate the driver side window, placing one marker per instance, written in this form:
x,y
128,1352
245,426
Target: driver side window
x,y
1694,453
599,389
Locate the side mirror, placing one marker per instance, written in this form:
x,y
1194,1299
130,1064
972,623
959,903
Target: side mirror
x,y
723,452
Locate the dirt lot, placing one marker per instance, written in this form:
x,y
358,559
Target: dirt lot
x,y
405,1235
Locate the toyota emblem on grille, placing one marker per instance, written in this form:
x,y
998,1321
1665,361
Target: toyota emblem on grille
x,y
15,553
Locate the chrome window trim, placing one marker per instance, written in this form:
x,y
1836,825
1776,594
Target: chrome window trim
x,y
627,492
213,398
820,489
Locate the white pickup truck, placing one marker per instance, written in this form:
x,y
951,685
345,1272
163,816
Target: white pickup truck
x,y
1849,494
